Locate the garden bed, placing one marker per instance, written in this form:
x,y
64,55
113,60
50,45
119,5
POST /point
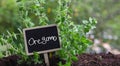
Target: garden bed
x,y
83,60
101,59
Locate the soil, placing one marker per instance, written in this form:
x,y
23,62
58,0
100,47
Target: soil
x,y
101,59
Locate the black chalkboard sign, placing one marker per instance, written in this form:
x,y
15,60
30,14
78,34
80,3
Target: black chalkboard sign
x,y
41,39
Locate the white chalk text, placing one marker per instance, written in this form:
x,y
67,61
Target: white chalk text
x,y
43,40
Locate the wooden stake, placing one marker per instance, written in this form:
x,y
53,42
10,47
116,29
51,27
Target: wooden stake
x,y
46,59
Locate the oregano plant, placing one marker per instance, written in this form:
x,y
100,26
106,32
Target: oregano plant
x,y
34,13
73,37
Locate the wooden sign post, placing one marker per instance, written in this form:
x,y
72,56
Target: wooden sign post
x,y
41,40
46,59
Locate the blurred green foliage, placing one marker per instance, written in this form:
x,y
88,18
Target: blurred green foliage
x,y
106,12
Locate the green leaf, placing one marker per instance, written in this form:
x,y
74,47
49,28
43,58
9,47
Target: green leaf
x,y
74,58
67,64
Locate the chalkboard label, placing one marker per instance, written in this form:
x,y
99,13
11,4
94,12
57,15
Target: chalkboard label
x,y
41,39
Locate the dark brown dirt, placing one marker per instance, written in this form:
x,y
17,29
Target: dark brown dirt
x,y
102,59
97,60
